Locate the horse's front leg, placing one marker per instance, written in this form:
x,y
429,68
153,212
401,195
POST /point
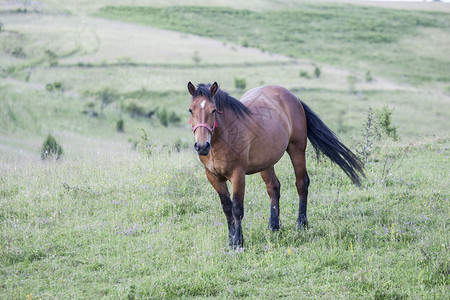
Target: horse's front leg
x,y
220,185
238,183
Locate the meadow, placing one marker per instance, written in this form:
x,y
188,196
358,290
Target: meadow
x,y
128,213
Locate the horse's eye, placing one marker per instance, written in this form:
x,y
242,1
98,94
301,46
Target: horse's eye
x,y
214,110
190,110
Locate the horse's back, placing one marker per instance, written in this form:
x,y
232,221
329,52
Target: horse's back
x,y
277,120
276,104
273,97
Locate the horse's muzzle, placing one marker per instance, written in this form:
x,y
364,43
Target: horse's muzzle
x,y
202,149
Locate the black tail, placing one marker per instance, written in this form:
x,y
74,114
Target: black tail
x,y
325,140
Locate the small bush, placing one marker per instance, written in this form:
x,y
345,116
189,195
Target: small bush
x,y
174,118
134,110
18,52
385,118
163,117
240,83
89,109
317,71
57,85
85,65
52,58
144,144
107,96
51,149
369,142
304,74
49,87
244,43
120,125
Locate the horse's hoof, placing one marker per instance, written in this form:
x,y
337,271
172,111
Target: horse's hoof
x,y
236,243
302,224
274,226
237,247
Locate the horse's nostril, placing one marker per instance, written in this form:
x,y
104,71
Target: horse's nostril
x,y
202,149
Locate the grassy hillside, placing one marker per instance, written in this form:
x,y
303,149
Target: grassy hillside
x,y
130,214
353,36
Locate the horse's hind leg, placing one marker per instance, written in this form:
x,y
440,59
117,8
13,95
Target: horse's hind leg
x,y
301,181
273,189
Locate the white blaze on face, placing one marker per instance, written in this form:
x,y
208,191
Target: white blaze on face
x,y
202,129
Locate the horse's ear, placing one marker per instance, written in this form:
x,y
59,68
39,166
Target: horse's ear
x,y
213,89
191,88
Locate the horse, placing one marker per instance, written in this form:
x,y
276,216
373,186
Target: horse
x,y
235,138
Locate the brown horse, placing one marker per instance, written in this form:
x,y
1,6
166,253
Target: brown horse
x,y
234,138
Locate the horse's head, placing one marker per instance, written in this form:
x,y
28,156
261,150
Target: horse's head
x,y
203,116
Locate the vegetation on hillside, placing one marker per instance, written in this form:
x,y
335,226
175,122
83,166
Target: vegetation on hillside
x,y
336,34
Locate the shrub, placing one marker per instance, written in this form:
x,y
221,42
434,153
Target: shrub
x,y
85,65
385,118
106,96
144,144
51,149
89,109
317,71
18,52
304,74
52,58
174,118
368,143
134,110
240,83
163,117
49,87
57,85
119,125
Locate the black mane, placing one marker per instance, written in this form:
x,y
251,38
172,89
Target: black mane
x,y
222,100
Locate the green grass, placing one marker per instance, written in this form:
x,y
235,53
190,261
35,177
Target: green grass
x,y
111,221
336,34
116,225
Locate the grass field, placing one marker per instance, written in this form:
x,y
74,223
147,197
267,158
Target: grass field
x,y
131,215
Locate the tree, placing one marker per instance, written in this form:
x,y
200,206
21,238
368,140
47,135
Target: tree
x,y
107,96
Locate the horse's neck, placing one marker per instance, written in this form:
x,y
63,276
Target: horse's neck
x,y
231,133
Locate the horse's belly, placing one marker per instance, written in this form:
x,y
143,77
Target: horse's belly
x,y
266,150
263,164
